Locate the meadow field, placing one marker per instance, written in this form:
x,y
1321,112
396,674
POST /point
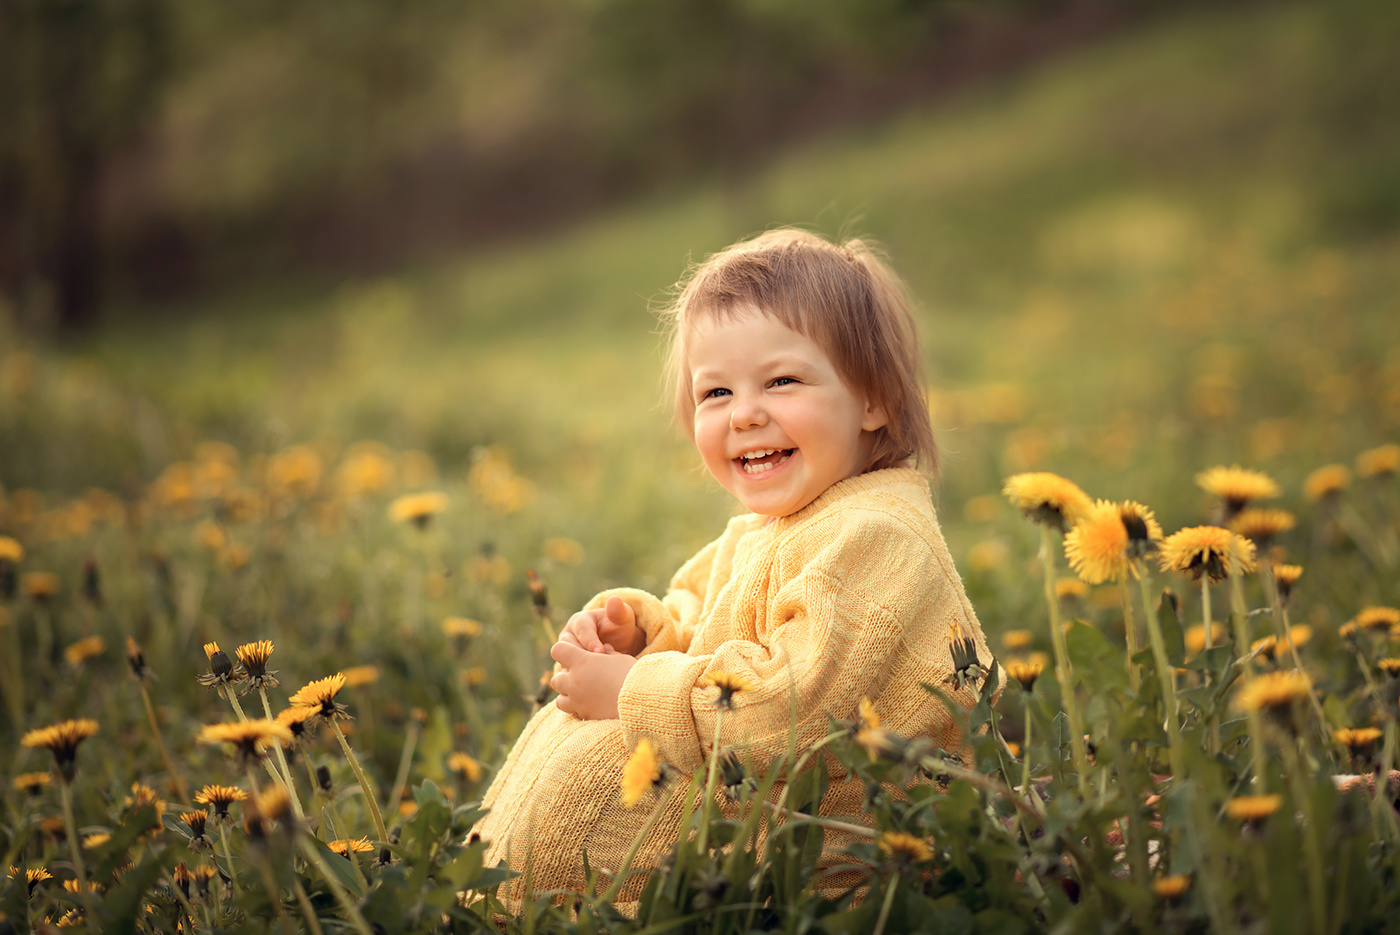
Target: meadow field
x,y
1175,250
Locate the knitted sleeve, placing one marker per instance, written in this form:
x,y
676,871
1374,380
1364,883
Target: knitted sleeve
x,y
862,598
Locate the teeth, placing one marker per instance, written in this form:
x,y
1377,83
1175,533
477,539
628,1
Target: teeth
x,y
761,453
761,468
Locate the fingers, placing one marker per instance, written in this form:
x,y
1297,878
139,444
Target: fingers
x,y
620,612
560,682
584,627
566,654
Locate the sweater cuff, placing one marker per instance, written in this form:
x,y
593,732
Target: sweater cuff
x,y
652,616
655,703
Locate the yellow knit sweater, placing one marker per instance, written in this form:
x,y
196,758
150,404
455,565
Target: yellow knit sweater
x,y
853,595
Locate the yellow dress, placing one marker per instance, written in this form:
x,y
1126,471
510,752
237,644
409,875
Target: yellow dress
x,y
854,595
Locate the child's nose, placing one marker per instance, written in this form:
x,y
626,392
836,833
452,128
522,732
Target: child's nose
x,y
747,414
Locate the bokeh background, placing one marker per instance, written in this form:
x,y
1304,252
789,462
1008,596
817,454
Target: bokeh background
x,y
1144,237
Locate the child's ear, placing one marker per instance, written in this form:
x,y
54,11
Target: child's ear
x,y
874,417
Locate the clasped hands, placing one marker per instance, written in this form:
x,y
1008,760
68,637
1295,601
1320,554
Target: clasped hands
x,y
596,650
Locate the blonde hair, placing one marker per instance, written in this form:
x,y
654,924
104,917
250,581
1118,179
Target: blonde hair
x,y
842,296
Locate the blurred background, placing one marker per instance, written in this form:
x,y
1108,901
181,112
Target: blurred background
x,y
1145,237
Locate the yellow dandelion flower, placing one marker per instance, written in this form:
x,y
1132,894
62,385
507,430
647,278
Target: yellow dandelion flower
x,y
295,472
254,657
62,741
274,803
1016,640
96,840
83,650
1171,887
1208,550
346,847
299,722
1285,576
464,767
250,739
1101,546
320,695
1237,486
1378,462
1262,525
357,676
1195,637
417,508
1047,498
1274,691
40,585
1327,482
898,844
32,783
461,627
987,555
729,685
866,715
642,772
1356,738
1299,634
10,550
366,470
1252,808
1070,588
32,877
563,550
1265,646
1390,666
1025,672
875,740
1376,618
196,821
220,797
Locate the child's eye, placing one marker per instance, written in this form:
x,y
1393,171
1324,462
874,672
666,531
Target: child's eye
x,y
715,393
784,381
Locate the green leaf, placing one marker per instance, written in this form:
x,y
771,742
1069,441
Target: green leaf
x,y
1171,631
345,874
1097,661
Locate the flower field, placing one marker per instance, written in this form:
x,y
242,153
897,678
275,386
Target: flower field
x,y
278,578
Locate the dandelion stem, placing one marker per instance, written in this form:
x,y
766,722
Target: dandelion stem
x,y
410,741
75,852
175,776
313,856
307,910
709,794
622,871
1130,635
1166,674
1317,895
274,896
1064,672
1213,742
1026,748
286,777
886,906
1239,616
228,859
364,783
831,824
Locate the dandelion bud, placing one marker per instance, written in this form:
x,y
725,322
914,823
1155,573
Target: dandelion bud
x,y
323,779
137,659
539,594
92,583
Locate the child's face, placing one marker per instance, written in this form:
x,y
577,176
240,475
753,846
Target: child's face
x,y
760,387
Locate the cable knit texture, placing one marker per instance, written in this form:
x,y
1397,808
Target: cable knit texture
x,y
853,595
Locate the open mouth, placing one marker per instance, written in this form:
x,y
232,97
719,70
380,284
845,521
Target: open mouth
x,y
763,459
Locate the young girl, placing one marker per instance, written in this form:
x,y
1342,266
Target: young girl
x,y
796,371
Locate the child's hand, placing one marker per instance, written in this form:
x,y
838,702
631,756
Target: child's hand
x,y
614,625
589,684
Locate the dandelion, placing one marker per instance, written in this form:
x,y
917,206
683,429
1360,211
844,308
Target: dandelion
x,y
464,767
539,594
876,741
196,821
1252,809
298,722
1265,646
962,648
1390,666
1285,576
1274,693
1016,640
183,878
365,470
1047,498
1376,618
62,741
32,877
356,676
1171,887
204,878
729,685
273,804
40,585
1237,487
92,583
1260,526
1208,550
1299,634
10,550
563,550
1070,588
1102,546
734,778
320,697
142,796
1195,637
1024,672
418,508
254,658
1376,463
461,627
221,668
866,715
347,847
96,840
32,783
250,739
86,648
642,773
137,660
902,846
1357,740
1327,482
